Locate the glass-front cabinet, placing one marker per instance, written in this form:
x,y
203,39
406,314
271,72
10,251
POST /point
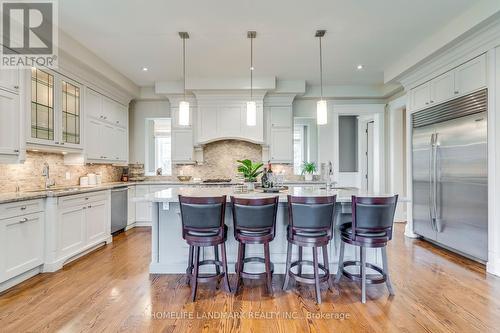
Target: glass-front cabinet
x,y
55,110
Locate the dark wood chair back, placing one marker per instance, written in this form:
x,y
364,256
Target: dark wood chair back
x,y
311,214
373,215
257,214
202,214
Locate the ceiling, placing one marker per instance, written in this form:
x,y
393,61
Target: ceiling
x,y
131,34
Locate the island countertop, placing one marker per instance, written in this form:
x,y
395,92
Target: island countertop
x,y
171,194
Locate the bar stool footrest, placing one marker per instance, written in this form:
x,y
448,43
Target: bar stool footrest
x,y
254,276
370,278
208,277
305,279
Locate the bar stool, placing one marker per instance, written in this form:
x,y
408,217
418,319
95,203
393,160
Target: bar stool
x,y
371,227
310,225
203,226
254,223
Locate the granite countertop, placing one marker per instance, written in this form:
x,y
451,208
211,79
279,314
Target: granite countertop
x,y
171,194
76,189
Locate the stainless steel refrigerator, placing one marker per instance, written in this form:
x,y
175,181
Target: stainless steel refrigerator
x,y
450,175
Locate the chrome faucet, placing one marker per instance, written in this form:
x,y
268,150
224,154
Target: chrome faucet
x,y
46,173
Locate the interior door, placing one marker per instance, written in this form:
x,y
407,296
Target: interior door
x,y
421,166
462,185
369,157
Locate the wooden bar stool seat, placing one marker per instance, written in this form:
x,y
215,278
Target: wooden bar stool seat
x,y
203,226
310,225
254,223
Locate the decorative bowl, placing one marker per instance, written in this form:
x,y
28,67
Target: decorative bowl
x,y
184,178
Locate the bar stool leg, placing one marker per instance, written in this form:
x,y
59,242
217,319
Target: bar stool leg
x,y
216,256
386,271
326,263
189,269
194,278
316,274
224,268
288,264
239,266
363,274
341,263
299,267
267,259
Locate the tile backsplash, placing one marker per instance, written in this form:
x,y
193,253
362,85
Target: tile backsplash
x,y
28,176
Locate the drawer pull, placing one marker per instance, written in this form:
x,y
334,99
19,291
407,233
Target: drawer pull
x,y
24,220
86,198
89,207
23,207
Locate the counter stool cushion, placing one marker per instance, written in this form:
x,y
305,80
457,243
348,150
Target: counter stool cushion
x,y
346,230
210,233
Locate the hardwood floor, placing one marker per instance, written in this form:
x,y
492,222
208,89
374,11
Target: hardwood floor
x,y
110,290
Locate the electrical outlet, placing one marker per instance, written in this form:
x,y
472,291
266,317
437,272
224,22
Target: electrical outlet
x,y
68,175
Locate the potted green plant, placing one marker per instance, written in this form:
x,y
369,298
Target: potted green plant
x,y
250,172
308,168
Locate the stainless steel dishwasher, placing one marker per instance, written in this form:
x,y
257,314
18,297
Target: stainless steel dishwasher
x,y
119,208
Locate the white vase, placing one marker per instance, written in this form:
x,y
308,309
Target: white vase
x,y
250,186
308,177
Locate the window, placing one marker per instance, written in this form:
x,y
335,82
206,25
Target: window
x,y
300,148
159,146
70,113
42,105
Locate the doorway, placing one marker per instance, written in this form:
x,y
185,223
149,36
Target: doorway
x,y
369,156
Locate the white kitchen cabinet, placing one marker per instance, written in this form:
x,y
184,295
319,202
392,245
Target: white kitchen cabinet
x,y
421,96
93,145
131,206
80,222
458,82
95,221
182,146
93,104
105,143
22,244
105,109
120,149
442,87
471,76
9,123
281,145
9,80
71,230
142,209
280,116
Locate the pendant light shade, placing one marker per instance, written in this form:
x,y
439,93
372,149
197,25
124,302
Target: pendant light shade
x,y
251,105
321,106
184,104
184,113
321,113
251,113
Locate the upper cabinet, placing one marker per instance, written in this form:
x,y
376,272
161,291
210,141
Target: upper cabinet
x,y
55,117
460,81
106,128
280,133
11,133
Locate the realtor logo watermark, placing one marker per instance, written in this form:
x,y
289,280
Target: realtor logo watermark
x,y
29,33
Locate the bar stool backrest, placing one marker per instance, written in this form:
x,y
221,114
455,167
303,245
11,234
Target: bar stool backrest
x,y
311,213
202,213
255,214
373,214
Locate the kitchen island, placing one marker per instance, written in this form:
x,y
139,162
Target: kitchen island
x,y
170,252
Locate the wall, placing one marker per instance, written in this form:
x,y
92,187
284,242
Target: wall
x,y
28,176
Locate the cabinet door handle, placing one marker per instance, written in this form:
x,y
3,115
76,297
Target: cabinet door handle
x,y
426,103
57,142
23,207
457,92
16,87
24,220
432,101
62,143
86,198
16,150
89,206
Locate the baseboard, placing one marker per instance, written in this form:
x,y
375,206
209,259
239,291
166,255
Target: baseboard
x,y
493,266
58,264
409,233
20,278
143,224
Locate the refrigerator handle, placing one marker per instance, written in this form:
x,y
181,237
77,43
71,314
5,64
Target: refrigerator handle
x,y
431,184
435,189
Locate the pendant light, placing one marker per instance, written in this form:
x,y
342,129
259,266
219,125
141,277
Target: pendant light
x,y
251,105
184,104
321,108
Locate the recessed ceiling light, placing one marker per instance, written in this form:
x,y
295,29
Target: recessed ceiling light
x,y
35,150
64,153
144,69
360,67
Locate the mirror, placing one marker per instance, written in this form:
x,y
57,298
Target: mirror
x,y
305,142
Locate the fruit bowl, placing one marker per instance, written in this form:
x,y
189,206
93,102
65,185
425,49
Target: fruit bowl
x,y
184,178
